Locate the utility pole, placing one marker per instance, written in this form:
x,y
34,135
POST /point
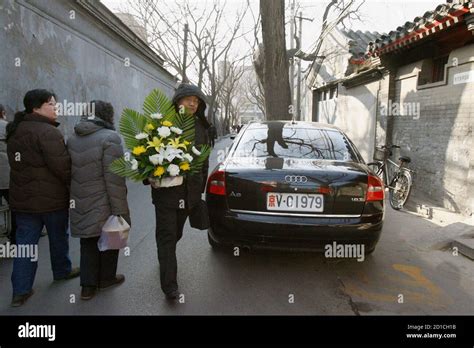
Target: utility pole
x,y
185,53
292,46
298,86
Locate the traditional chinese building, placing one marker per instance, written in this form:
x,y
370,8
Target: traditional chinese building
x,y
413,87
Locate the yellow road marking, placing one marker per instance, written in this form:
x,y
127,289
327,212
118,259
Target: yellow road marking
x,y
387,291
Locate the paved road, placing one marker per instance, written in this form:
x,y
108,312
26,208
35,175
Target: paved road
x,y
263,282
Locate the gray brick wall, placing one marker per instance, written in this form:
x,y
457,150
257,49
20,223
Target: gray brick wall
x,y
440,142
81,59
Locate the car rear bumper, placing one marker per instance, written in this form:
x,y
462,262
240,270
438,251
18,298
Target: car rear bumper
x,y
294,232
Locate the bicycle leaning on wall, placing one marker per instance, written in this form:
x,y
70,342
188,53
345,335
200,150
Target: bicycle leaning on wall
x,y
399,185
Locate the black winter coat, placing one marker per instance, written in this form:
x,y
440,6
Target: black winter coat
x,y
41,174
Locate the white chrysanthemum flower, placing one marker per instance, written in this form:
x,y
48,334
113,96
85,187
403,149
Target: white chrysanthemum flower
x,y
157,116
173,169
134,163
156,159
164,132
141,136
188,157
176,130
196,151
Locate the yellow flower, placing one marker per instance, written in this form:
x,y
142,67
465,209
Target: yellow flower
x,y
184,166
167,123
138,150
149,127
176,144
159,171
156,143
186,143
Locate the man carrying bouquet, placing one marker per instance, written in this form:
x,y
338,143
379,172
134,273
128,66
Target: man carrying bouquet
x,y
173,204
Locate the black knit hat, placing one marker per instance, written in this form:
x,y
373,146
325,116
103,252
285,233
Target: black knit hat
x,y
186,90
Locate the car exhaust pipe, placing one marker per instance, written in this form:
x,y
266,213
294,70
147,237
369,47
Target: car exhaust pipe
x,y
247,248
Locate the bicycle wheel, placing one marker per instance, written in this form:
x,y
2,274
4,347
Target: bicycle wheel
x,y
400,189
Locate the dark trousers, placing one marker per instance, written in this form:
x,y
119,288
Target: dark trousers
x,y
169,230
97,266
29,227
212,142
12,236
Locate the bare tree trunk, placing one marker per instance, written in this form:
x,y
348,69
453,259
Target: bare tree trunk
x,y
273,72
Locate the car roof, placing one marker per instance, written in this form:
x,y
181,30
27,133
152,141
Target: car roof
x,y
293,124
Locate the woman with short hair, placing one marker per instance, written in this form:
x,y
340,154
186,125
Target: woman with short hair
x,y
39,189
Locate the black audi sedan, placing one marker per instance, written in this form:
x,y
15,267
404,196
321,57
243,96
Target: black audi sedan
x,y
294,185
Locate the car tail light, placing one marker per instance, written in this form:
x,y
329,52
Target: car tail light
x,y
375,189
216,183
324,190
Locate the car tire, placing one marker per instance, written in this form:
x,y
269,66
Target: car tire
x,y
369,252
214,245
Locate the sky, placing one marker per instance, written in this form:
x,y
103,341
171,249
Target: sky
x,y
377,15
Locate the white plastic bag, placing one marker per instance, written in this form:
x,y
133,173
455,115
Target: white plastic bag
x,y
114,234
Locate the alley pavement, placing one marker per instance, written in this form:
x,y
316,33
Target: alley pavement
x,y
402,276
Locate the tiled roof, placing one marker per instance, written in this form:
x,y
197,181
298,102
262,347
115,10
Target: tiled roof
x,y
359,40
444,16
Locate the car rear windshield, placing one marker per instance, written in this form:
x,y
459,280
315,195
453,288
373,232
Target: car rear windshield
x,y
292,142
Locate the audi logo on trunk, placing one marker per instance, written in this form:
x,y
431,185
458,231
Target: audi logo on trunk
x,y
296,179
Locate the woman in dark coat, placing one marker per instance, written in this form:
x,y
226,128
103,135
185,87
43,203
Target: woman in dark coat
x,y
39,189
97,193
173,204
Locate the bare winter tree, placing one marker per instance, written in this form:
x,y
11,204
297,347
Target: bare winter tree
x,y
220,48
231,92
254,88
336,12
271,62
165,30
254,93
210,40
270,58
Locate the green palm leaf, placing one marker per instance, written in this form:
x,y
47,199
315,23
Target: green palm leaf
x,y
123,168
131,123
186,124
199,161
158,102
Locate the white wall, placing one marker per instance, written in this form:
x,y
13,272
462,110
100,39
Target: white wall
x,y
354,112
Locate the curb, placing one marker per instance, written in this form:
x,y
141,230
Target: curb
x,y
431,211
465,247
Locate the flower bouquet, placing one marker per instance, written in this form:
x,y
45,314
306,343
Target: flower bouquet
x,y
161,144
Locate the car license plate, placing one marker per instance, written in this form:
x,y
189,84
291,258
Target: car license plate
x,y
306,202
